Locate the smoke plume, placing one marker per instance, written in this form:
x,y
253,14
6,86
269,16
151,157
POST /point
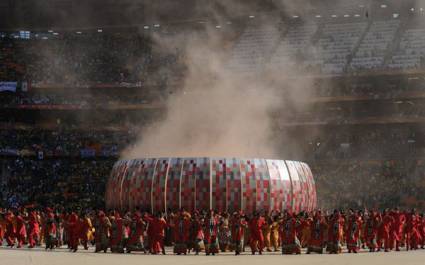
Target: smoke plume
x,y
220,112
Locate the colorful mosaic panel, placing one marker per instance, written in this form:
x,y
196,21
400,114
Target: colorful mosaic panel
x,y
249,185
218,180
234,185
187,185
262,179
158,188
173,184
202,175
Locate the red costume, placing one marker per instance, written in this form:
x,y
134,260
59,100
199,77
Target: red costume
x,y
73,231
317,234
33,230
49,229
181,231
102,232
371,231
211,234
21,230
289,236
396,230
384,232
10,230
353,233
156,234
422,230
237,226
256,234
336,233
117,234
197,235
413,237
135,240
1,231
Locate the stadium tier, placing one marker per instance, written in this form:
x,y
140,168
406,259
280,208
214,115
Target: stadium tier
x,y
85,95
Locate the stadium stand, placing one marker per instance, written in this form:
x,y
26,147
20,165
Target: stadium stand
x,y
336,44
411,51
295,47
250,53
359,125
372,50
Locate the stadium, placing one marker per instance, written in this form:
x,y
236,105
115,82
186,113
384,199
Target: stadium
x,y
249,120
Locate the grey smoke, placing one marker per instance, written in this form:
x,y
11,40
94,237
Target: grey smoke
x,y
219,112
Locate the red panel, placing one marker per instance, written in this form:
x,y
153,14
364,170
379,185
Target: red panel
x,y
173,184
219,185
202,174
158,191
188,184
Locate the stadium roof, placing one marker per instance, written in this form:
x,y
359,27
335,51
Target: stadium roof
x,y
35,14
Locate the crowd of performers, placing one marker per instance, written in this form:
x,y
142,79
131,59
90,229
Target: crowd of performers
x,y
212,233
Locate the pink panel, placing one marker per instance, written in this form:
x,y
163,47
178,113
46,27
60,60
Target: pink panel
x,y
218,179
304,186
312,187
124,198
262,184
234,185
112,184
173,183
297,195
249,185
158,190
146,170
202,174
134,183
276,186
118,185
286,184
188,184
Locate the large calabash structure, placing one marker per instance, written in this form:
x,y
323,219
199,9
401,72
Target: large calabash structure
x,y
222,184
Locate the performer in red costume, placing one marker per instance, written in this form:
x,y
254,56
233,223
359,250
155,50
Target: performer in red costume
x,y
156,233
73,231
317,234
288,231
371,231
10,233
117,233
137,229
181,231
50,229
237,226
335,233
396,230
197,233
256,235
352,233
21,230
384,231
102,227
33,229
210,229
413,236
422,230
1,226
